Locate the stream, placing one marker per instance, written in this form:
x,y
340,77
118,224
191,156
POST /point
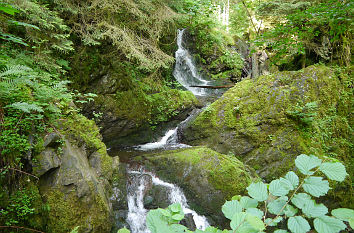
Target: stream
x,y
141,181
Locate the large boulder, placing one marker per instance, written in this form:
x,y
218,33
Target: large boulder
x,y
267,122
207,178
75,176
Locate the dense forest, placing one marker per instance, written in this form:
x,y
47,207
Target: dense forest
x,y
171,116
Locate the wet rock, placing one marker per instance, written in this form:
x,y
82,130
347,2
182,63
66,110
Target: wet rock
x,y
52,140
206,177
188,221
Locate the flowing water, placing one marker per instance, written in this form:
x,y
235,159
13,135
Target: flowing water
x,y
186,72
141,181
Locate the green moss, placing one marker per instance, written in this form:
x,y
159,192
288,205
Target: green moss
x,y
226,174
142,108
67,212
269,121
84,130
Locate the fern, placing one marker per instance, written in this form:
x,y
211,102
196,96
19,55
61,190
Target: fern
x,y
25,107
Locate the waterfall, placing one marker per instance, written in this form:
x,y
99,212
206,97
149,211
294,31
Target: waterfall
x,y
139,181
168,141
185,71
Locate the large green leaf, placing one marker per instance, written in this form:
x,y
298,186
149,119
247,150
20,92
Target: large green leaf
x,y
345,215
290,210
156,223
316,186
277,205
279,188
293,179
280,231
334,171
230,208
246,223
298,225
327,224
258,191
305,163
300,199
123,230
255,212
247,202
313,210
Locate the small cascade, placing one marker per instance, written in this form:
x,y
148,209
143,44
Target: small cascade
x,y
139,183
168,141
185,71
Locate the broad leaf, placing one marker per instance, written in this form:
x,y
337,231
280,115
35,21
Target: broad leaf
x,y
293,179
280,231
177,217
345,215
277,205
273,222
255,212
313,210
247,202
246,223
175,208
327,224
298,225
278,188
334,171
305,163
316,186
123,230
156,223
230,208
300,199
290,211
258,191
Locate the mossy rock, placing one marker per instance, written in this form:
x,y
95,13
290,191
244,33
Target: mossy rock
x,y
208,178
269,121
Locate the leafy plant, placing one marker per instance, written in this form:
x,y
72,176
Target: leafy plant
x,y
288,199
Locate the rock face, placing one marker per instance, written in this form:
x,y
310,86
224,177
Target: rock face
x,y
206,177
267,122
75,177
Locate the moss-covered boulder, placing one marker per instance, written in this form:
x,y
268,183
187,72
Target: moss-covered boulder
x,y
206,177
75,176
269,121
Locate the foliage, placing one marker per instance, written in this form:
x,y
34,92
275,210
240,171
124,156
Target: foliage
x,y
321,27
285,200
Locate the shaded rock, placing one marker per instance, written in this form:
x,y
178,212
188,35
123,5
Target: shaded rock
x,y
188,221
48,159
206,177
77,191
52,140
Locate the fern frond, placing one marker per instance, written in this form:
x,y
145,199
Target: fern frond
x,y
25,107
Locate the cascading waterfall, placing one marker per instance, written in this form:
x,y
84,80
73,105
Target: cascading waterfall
x,y
138,184
168,141
185,71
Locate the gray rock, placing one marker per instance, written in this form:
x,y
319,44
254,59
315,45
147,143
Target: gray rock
x,y
48,159
51,140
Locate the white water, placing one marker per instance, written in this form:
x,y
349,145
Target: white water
x,y
185,71
137,186
168,141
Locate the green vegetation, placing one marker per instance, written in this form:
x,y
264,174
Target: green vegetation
x,y
55,53
268,206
